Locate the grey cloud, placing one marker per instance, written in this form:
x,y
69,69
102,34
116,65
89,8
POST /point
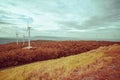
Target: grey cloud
x,y
5,23
108,16
93,22
101,21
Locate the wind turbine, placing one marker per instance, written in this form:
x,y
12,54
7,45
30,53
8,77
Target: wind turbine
x,y
17,38
28,30
23,39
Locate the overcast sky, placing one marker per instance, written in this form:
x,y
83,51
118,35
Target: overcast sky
x,y
83,19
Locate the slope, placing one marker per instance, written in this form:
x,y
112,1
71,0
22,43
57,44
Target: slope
x,y
99,64
14,55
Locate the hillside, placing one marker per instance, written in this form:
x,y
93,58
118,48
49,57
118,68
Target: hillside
x,y
98,64
12,55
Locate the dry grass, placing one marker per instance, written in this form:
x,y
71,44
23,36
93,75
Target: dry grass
x,y
13,55
99,64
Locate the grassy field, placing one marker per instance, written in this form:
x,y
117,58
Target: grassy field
x,y
99,64
12,54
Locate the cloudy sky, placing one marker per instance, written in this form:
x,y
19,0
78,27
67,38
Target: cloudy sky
x,y
82,19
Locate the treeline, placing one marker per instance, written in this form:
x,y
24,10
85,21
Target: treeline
x,y
12,55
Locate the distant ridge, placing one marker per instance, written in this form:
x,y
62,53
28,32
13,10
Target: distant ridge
x,y
54,38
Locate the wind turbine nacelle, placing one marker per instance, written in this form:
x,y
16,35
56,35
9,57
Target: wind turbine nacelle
x,y
29,28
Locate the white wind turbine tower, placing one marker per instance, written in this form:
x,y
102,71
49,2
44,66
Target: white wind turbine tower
x,y
28,30
23,39
17,38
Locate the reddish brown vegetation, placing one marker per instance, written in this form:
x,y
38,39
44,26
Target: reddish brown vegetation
x,y
11,54
109,71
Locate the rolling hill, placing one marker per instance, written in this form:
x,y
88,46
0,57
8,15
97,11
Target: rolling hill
x,y
98,64
12,54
